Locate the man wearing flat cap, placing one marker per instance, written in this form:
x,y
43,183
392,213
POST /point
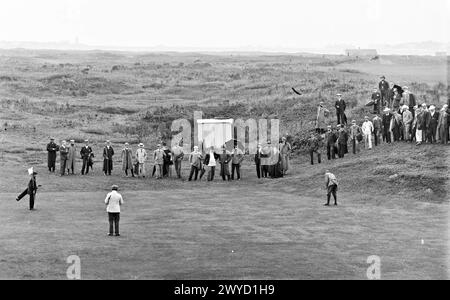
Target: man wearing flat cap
x,y
113,203
31,190
340,110
52,148
86,155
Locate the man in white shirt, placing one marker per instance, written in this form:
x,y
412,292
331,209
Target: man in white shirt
x,y
113,202
367,129
141,157
331,184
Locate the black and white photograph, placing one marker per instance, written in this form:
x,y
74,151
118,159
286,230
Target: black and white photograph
x,y
250,141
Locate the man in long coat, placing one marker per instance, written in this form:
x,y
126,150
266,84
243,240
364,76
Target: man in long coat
x,y
386,121
407,122
443,125
224,161
377,129
177,157
331,138
434,121
127,160
322,113
108,153
258,161
340,110
52,148
285,151
376,98
71,157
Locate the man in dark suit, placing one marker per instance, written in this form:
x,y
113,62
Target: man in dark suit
x,y
383,86
433,123
426,117
108,153
86,153
258,161
376,98
386,124
52,148
340,110
331,139
31,189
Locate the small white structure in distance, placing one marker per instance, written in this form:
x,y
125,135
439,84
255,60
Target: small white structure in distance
x,y
214,132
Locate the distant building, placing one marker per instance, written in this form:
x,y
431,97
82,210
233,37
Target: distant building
x,y
441,53
361,52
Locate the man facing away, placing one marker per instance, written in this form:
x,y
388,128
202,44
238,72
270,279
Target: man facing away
x,y
237,156
127,160
331,139
367,129
355,132
285,151
377,129
331,184
52,148
407,122
314,147
86,155
108,153
195,160
177,156
158,158
113,203
141,157
376,98
31,190
63,152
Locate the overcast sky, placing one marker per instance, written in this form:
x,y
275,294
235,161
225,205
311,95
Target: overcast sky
x,y
225,23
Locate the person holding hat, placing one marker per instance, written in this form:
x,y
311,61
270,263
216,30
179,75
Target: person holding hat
x,y
63,152
340,110
408,118
384,88
367,130
127,160
71,156
108,153
386,121
31,190
141,157
52,148
113,202
322,113
86,155
376,98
